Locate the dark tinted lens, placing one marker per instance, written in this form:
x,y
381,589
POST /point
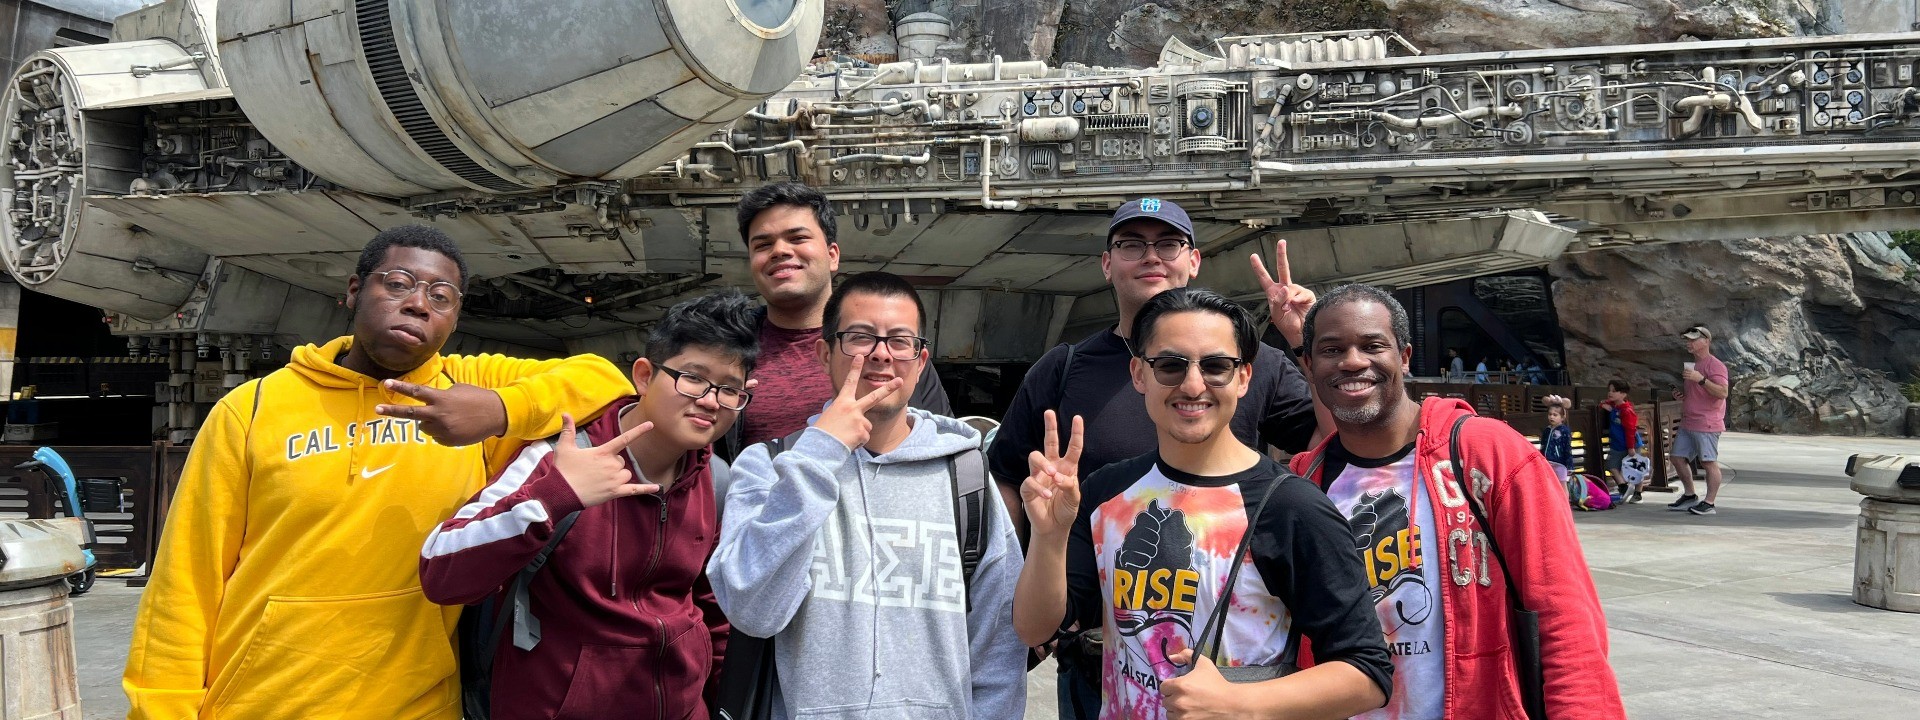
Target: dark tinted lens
x,y
1170,371
1217,371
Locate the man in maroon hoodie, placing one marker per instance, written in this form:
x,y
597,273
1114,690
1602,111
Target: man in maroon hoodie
x,y
628,624
1439,576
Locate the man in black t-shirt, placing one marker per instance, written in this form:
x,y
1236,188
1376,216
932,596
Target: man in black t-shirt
x,y
1154,554
1150,248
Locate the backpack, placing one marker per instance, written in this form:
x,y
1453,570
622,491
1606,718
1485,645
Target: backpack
x,y
1591,495
482,625
744,689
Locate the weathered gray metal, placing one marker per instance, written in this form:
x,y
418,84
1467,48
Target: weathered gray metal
x,y
587,154
38,552
408,97
1886,561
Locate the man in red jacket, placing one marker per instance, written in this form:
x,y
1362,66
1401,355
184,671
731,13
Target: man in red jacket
x,y
1439,581
628,626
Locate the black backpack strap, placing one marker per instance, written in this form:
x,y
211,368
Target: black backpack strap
x,y
967,475
1480,513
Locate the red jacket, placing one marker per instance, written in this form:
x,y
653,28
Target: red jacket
x,y
1528,509
628,623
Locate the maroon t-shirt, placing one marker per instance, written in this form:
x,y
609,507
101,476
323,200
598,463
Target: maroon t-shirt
x,y
790,362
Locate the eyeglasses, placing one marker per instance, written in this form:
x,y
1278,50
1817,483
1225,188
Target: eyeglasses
x,y
1171,370
1131,250
696,387
900,347
400,284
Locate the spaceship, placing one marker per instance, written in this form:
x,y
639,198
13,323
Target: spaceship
x,y
210,175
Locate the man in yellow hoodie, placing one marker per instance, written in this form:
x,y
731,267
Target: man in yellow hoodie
x,y
287,582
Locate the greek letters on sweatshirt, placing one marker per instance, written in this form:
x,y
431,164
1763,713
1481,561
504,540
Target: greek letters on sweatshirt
x,y
287,582
851,562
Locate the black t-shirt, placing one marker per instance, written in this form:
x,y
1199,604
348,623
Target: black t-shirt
x,y
1099,388
1148,559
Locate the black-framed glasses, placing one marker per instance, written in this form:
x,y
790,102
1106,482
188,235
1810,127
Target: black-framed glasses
x,y
1171,370
696,387
1131,250
900,347
400,284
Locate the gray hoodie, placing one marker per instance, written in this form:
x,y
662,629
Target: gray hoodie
x,y
858,637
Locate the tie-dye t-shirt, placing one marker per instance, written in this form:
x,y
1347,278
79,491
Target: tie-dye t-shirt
x,y
1393,532
1148,560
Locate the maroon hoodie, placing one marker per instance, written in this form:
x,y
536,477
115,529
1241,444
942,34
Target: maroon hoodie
x,y
628,623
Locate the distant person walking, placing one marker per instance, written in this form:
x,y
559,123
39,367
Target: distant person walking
x,y
1456,365
1703,408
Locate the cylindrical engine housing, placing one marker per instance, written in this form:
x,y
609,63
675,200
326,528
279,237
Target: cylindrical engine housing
x,y
409,97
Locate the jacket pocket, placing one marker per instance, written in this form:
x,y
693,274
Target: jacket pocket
x,y
611,681
382,654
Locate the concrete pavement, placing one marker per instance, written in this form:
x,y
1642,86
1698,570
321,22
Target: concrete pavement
x,y
1745,614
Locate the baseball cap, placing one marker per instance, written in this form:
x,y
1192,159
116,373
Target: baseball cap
x,y
1697,332
1165,211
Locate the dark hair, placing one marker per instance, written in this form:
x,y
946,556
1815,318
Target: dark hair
x,y
724,321
1195,299
1358,292
1619,385
411,236
787,193
873,282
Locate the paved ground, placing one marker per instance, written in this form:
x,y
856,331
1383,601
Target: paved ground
x,y
1745,614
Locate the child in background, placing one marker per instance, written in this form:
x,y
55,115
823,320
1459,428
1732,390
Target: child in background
x,y
1623,431
1557,442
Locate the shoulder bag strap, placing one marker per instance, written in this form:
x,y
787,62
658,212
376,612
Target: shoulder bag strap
x,y
1211,633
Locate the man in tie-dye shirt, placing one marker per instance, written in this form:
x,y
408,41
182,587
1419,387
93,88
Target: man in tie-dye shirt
x,y
1148,556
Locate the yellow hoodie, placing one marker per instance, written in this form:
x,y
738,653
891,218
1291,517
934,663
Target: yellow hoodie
x,y
287,584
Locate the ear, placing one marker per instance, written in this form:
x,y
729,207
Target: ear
x,y
353,291
1138,368
642,374
1245,379
1106,265
1193,268
821,348
833,257
1406,358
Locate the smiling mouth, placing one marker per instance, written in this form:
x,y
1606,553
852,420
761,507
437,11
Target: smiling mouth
x,y
783,271
1355,384
1192,408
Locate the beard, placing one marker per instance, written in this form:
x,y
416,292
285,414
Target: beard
x,y
1362,414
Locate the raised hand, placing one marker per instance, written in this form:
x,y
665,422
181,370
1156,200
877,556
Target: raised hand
x,y
459,415
598,474
1287,303
1201,694
846,419
1051,493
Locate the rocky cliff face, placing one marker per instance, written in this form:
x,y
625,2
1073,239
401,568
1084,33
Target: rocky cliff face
x,y
1814,329
1818,331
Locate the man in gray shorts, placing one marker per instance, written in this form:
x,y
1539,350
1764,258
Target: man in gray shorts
x,y
1703,409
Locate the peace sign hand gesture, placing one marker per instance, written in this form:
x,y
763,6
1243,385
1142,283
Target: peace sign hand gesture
x,y
846,419
598,474
1287,303
1051,493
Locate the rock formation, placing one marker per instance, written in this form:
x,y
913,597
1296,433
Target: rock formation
x,y
1819,331
1815,330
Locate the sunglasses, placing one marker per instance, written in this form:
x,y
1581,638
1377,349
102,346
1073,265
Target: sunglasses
x,y
1171,370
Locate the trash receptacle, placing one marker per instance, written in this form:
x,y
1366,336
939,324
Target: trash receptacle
x,y
36,620
1886,560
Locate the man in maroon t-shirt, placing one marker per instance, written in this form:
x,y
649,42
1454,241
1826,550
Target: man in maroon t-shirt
x,y
792,252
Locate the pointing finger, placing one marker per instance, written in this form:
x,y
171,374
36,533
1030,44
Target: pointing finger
x,y
418,392
1052,442
396,411
634,489
853,378
1280,264
1260,271
626,438
879,394
1074,441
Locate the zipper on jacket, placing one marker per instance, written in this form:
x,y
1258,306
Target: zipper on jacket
x,y
659,668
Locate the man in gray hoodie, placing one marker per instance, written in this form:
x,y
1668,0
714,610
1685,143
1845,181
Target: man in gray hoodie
x,y
844,550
